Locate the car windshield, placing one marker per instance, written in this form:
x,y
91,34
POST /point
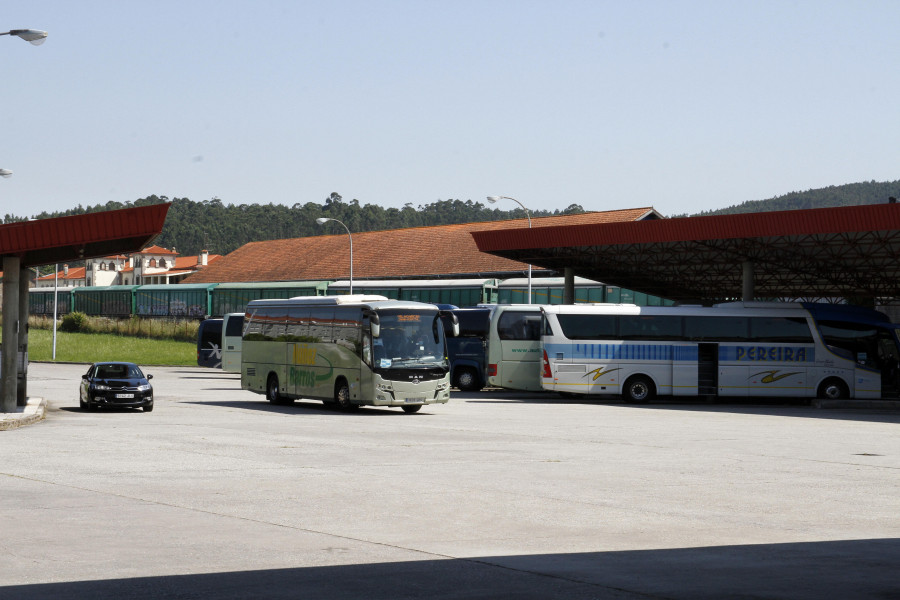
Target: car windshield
x,y
118,372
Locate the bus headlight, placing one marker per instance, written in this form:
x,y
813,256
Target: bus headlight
x,y
385,387
445,385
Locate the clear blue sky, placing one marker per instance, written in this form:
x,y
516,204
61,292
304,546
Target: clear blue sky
x,y
680,105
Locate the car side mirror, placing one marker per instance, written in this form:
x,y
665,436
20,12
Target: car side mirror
x,y
149,376
85,376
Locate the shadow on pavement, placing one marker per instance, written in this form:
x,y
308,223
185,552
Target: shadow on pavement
x,y
782,407
858,569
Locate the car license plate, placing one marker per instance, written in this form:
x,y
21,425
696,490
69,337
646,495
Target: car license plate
x,y
124,395
415,400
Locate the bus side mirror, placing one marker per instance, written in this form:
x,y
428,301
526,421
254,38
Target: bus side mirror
x,y
374,324
454,322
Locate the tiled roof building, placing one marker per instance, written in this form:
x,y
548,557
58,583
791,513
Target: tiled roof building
x,y
423,252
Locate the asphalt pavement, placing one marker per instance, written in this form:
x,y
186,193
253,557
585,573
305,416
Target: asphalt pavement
x,y
219,494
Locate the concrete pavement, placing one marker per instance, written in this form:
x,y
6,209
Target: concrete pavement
x,y
217,493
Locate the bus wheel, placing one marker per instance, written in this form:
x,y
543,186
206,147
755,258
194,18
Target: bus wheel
x,y
833,389
466,380
272,394
342,396
639,389
412,408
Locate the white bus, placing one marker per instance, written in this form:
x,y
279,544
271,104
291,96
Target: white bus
x,y
736,349
514,347
350,350
232,334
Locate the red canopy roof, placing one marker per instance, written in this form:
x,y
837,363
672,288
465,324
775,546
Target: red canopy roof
x,y
850,252
48,241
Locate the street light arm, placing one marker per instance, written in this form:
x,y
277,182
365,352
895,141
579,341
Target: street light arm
x,y
492,200
322,221
34,36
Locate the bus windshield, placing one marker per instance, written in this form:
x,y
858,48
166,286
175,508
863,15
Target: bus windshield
x,y
409,337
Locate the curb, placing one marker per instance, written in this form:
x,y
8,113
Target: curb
x,y
32,412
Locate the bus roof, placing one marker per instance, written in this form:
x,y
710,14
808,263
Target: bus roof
x,y
368,300
818,310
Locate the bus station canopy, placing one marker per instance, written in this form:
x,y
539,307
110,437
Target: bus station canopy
x,y
62,239
845,252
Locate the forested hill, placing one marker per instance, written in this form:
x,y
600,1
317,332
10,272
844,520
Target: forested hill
x,y
851,194
221,228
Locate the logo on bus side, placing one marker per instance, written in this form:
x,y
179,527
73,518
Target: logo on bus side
x,y
304,356
598,373
771,377
774,354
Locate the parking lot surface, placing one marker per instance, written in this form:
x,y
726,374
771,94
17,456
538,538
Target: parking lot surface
x,y
219,494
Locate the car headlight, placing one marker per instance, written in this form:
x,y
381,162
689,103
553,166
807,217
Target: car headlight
x,y
145,387
101,388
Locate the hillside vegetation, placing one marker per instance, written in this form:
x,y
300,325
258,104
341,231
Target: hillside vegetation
x,y
221,228
851,194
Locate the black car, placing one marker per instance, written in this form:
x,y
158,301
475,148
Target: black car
x,y
119,384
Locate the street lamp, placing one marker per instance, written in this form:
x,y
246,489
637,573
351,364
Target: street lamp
x,y
35,36
5,173
493,200
322,221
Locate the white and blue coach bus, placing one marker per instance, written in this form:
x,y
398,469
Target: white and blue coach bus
x,y
754,349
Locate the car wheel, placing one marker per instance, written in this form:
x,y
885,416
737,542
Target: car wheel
x,y
148,408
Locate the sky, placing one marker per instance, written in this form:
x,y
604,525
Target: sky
x,y
680,105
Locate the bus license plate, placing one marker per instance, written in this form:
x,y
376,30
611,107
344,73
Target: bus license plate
x,y
124,395
415,400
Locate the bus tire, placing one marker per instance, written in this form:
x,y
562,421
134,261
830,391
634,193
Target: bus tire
x,y
272,393
833,389
639,389
412,408
342,396
466,380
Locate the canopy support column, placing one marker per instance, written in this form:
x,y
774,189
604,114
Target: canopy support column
x,y
569,285
10,345
747,283
22,362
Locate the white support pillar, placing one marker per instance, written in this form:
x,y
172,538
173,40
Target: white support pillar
x,y
10,308
747,291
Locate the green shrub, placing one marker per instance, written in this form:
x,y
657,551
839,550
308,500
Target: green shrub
x,y
74,322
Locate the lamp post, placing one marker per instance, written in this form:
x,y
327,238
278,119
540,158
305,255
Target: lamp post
x,y
322,221
5,173
493,200
35,36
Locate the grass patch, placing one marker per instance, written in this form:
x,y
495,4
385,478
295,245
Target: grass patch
x,y
93,347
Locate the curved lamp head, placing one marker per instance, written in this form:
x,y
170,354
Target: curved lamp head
x,y
35,36
5,173
323,220
493,199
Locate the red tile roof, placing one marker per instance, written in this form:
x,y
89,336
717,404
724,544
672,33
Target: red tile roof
x,y
415,252
74,273
156,250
